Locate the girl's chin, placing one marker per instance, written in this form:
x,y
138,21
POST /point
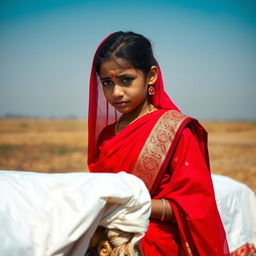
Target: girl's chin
x,y
126,110
123,110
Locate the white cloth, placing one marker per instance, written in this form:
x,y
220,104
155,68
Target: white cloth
x,y
237,207
57,214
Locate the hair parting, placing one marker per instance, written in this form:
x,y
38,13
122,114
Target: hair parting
x,y
129,46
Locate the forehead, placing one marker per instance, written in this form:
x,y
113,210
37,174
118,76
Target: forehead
x,y
119,66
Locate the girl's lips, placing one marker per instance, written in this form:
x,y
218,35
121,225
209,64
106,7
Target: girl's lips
x,y
121,104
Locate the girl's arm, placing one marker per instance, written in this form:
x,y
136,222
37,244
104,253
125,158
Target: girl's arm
x,y
161,210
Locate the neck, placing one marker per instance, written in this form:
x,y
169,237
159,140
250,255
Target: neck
x,y
129,118
141,110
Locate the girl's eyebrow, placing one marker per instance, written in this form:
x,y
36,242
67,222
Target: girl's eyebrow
x,y
117,76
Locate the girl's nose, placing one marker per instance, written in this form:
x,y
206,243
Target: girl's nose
x,y
117,91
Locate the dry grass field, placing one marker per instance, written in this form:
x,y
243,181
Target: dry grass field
x,y
61,146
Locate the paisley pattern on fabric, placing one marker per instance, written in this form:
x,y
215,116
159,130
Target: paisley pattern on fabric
x,y
157,146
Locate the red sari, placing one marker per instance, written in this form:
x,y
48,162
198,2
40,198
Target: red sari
x,y
168,151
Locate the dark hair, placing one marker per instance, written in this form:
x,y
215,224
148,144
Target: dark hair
x,y
134,48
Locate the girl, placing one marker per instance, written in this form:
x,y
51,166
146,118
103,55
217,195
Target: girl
x,y
135,127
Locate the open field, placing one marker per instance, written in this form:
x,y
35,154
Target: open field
x,y
61,145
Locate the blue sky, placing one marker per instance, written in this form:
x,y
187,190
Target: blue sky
x,y
206,50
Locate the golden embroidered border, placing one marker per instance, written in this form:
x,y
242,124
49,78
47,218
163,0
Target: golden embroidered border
x,y
187,248
157,146
245,250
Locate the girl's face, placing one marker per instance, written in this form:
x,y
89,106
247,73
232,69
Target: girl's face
x,y
124,87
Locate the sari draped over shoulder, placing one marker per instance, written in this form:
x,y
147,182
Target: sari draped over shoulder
x,y
168,151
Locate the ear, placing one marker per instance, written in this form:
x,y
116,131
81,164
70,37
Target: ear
x,y
152,75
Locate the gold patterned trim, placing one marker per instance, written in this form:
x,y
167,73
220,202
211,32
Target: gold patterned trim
x,y
187,248
156,147
245,250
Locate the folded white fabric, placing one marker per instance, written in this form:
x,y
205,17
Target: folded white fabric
x,y
57,214
237,207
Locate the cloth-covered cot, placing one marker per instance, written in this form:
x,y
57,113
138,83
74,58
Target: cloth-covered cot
x,y
57,214
236,203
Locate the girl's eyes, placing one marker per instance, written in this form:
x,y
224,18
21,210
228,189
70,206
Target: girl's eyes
x,y
107,83
123,81
126,80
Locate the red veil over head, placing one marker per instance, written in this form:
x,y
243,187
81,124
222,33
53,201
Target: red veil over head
x,y
101,113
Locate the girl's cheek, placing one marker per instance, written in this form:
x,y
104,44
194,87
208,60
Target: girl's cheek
x,y
107,93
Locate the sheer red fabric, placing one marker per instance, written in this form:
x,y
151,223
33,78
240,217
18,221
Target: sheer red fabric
x,y
186,182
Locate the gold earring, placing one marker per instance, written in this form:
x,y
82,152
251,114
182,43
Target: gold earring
x,y
151,90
